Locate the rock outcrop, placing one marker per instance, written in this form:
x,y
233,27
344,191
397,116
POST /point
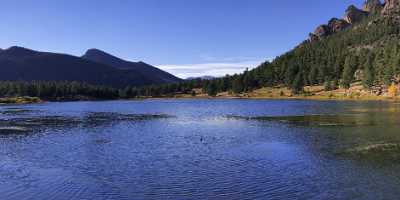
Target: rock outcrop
x,y
354,15
390,6
336,25
372,6
322,31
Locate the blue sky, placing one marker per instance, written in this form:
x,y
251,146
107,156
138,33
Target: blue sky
x,y
184,37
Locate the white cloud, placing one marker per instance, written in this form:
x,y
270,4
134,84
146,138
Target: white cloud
x,y
216,69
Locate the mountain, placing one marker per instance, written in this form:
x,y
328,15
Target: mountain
x,y
145,70
362,47
22,64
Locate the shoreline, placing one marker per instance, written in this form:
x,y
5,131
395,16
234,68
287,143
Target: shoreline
x,y
312,93
6,101
317,93
19,100
314,98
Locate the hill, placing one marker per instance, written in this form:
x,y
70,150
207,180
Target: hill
x,y
362,46
22,64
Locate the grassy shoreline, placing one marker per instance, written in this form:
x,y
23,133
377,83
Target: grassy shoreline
x,y
355,93
295,97
19,100
32,100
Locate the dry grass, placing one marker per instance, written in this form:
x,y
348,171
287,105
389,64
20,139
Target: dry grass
x,y
19,100
355,92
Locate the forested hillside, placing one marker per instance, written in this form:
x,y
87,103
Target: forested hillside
x,y
364,46
22,64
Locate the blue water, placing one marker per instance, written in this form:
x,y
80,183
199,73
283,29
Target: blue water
x,y
197,152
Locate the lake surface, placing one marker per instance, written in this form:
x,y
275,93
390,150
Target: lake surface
x,y
200,149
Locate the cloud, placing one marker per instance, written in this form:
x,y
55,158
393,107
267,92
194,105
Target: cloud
x,y
216,69
207,58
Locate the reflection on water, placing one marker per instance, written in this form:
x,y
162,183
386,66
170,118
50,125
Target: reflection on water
x,y
318,120
200,149
381,153
32,124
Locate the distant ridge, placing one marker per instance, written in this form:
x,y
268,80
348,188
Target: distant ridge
x,y
23,64
150,72
16,51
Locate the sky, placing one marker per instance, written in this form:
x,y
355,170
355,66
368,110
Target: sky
x,y
187,38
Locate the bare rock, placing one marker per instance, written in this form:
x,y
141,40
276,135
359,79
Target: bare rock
x,y
359,75
354,15
313,38
336,25
322,31
372,6
390,6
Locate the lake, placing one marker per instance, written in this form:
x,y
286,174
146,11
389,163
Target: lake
x,y
200,149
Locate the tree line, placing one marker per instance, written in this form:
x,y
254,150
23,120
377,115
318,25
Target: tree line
x,y
56,90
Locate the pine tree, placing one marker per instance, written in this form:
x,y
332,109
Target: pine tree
x,y
298,83
237,85
348,72
212,89
369,77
